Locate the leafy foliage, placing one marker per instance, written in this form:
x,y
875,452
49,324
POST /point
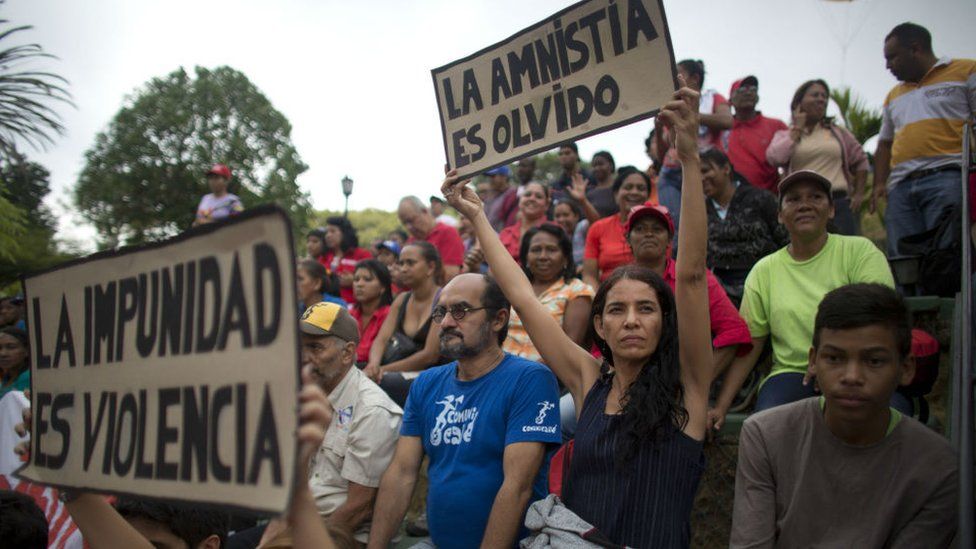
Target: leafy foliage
x,y
25,95
26,225
862,121
144,175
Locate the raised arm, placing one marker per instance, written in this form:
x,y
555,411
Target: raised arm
x,y
574,367
691,282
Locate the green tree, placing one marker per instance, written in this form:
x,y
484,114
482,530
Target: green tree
x,y
26,94
862,121
23,186
144,176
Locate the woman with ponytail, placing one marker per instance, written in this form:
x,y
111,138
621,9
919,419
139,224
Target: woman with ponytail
x,y
643,408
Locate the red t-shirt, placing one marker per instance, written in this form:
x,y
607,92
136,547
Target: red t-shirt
x,y
448,243
511,238
606,242
728,327
748,141
345,264
367,334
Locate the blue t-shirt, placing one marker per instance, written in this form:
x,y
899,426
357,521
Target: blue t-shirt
x,y
465,426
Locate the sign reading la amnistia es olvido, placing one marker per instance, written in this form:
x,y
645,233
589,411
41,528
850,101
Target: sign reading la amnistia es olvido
x,y
592,67
172,370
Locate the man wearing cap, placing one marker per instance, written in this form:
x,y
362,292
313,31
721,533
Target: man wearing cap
x,y
501,198
783,290
750,135
344,474
438,210
219,204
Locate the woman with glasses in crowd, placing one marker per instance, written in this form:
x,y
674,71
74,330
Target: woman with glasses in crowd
x,y
638,455
407,342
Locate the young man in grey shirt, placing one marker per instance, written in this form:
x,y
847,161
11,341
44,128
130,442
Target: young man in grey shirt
x,y
844,469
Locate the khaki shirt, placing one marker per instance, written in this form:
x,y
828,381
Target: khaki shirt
x,y
358,446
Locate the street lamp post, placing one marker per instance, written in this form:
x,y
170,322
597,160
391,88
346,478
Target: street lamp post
x,y
346,190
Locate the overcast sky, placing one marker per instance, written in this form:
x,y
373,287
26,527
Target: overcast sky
x,y
354,77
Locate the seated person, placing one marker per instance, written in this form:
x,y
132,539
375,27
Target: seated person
x,y
845,469
650,232
532,207
374,293
345,472
484,420
547,261
784,288
606,241
742,222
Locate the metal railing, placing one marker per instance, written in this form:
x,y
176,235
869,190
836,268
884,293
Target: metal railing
x,y
963,412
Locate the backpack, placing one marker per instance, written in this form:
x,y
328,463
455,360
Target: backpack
x,y
940,254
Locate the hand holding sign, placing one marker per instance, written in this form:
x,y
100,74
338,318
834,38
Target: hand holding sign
x,y
591,67
460,196
680,116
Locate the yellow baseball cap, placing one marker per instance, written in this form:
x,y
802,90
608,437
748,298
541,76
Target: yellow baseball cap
x,y
330,319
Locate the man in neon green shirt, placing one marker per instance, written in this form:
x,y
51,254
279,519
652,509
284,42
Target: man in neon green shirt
x,y
783,290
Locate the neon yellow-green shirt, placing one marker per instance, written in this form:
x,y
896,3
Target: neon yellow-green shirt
x,y
782,294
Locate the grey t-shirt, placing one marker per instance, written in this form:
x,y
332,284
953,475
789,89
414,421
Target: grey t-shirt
x,y
797,485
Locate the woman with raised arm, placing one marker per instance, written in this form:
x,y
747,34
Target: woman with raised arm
x,y
643,412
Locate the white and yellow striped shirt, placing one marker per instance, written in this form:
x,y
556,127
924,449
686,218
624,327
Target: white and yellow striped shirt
x,y
924,120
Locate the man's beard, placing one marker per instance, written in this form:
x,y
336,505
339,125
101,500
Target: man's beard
x,y
457,349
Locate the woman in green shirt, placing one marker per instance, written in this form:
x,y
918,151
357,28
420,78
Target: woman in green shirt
x,y
14,368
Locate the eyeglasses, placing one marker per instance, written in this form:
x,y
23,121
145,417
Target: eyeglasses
x,y
458,312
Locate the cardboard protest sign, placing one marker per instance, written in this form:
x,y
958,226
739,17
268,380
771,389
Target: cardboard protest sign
x,y
592,67
171,370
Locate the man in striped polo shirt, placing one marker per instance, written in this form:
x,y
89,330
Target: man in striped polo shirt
x,y
919,157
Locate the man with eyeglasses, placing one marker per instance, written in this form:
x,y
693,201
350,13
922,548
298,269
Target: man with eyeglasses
x,y
344,474
750,135
485,421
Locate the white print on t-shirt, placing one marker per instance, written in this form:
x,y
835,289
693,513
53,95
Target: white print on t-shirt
x,y
453,426
544,407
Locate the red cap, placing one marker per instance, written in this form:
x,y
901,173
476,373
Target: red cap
x,y
650,209
221,170
743,81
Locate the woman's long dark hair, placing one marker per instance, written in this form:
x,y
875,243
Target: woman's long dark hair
x,y
565,245
350,239
382,274
654,403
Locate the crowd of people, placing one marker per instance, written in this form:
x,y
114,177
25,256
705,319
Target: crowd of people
x,y
616,314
